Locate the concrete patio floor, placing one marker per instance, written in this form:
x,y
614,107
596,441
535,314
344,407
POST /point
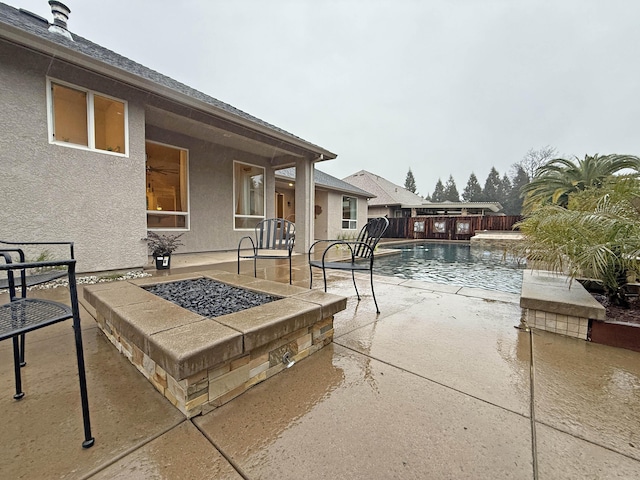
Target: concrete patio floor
x,y
439,385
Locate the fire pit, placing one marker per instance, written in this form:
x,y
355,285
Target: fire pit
x,y
203,358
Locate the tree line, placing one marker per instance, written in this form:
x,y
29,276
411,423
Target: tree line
x,y
505,189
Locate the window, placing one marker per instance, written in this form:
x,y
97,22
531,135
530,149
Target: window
x,y
349,213
167,187
248,194
82,118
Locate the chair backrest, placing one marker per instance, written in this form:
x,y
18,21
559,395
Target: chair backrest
x,y
275,234
370,235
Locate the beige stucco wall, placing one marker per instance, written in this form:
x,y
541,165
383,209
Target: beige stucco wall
x,y
378,212
211,191
334,222
97,199
52,192
322,220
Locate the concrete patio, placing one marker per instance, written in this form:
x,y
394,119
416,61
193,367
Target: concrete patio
x,y
439,385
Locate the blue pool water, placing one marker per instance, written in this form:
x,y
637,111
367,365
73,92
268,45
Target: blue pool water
x,y
454,264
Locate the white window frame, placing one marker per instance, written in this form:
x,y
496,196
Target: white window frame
x,y
90,118
186,214
264,197
351,223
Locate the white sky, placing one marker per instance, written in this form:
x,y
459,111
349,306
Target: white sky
x,y
439,86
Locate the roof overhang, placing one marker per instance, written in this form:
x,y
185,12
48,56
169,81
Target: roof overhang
x,y
43,46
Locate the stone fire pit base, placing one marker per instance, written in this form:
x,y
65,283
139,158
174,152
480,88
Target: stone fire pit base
x,y
200,363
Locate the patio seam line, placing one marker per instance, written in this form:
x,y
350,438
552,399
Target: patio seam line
x,y
129,451
232,462
431,380
635,459
532,415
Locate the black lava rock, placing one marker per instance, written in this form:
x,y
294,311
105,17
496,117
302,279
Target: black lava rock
x,y
209,298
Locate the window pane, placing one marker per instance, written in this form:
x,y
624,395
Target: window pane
x,y
166,221
349,212
109,124
69,115
249,192
166,186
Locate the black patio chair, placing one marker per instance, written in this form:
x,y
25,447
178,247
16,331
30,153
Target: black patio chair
x,y
32,278
272,235
361,252
22,315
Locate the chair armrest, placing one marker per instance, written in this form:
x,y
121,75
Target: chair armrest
x,y
49,263
246,237
351,244
70,244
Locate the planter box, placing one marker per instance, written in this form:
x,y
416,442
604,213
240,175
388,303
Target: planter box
x,y
614,334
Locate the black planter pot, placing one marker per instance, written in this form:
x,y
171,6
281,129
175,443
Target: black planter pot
x,y
163,262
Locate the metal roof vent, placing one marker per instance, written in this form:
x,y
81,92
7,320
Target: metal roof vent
x,y
60,16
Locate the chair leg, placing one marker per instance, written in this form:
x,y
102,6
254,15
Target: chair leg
x,y
255,268
84,398
290,270
353,276
310,276
16,367
374,293
22,344
324,277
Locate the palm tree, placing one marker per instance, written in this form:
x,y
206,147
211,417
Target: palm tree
x,y
556,180
597,235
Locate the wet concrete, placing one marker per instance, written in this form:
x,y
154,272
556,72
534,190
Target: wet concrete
x,y
436,386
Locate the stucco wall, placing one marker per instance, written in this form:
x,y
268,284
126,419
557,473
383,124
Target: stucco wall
x,y
321,227
334,202
52,192
97,199
211,191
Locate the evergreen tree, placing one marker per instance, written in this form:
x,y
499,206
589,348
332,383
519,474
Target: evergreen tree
x,y
491,186
504,192
473,191
410,182
520,179
451,191
438,192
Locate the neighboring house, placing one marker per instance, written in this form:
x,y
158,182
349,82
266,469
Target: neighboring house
x,y
98,149
340,208
394,201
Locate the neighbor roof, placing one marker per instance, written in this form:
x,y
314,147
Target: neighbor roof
x,y
386,193
28,29
325,180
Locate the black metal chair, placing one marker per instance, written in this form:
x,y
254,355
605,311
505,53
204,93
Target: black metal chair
x,y
361,252
28,279
271,235
22,315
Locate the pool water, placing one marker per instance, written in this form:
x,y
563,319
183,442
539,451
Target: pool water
x,y
454,264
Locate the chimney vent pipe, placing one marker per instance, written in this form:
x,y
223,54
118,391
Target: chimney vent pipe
x,y
60,16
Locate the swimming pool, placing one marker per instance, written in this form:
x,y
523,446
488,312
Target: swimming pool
x,y
454,264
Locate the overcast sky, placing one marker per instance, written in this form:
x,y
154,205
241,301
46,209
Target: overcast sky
x,y
441,87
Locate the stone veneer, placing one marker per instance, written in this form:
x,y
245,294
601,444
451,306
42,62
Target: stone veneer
x,y
200,363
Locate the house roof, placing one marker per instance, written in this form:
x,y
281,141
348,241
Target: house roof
x,y
390,194
386,193
31,30
325,180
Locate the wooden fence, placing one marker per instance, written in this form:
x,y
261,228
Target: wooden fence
x,y
447,228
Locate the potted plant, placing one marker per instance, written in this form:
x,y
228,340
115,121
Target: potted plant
x,y
161,248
